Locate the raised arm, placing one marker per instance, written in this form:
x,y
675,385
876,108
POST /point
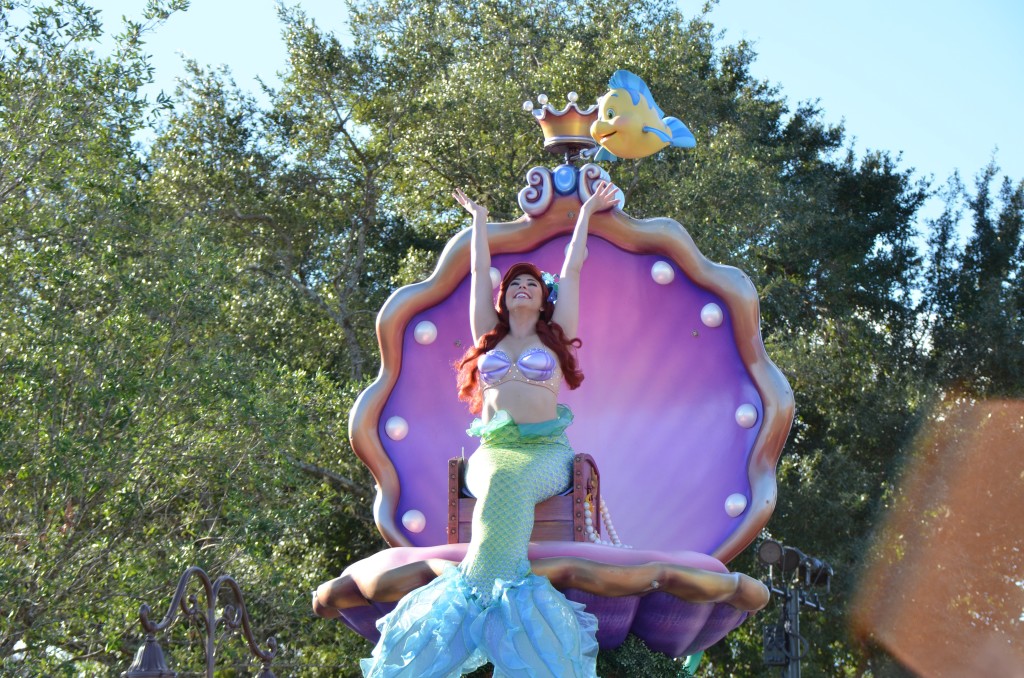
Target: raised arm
x,y
482,316
567,309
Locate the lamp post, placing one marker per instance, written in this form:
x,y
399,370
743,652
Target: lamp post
x,y
798,573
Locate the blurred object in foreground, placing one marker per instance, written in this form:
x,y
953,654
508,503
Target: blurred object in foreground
x,y
944,590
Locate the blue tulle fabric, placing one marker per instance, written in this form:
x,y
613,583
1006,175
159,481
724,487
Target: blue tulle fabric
x,y
491,608
528,630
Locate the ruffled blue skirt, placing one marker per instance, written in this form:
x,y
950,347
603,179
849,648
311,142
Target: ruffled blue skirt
x,y
528,630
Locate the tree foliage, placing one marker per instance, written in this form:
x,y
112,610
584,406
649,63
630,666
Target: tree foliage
x,y
149,421
184,326
974,302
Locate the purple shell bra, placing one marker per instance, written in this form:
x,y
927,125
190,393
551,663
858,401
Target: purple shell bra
x,y
534,366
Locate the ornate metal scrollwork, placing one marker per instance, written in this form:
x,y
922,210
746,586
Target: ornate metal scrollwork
x,y
149,660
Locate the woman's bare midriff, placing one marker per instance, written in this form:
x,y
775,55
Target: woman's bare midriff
x,y
525,403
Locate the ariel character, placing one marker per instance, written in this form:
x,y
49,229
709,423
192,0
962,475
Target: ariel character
x,y
491,607
631,125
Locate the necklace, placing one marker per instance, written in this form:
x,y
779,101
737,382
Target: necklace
x,y
606,520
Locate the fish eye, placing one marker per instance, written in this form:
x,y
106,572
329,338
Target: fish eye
x,y
610,113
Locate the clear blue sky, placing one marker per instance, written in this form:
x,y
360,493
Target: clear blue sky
x,y
938,80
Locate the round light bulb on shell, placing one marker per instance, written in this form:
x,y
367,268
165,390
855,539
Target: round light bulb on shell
x,y
414,520
396,428
425,332
746,415
735,504
663,273
711,315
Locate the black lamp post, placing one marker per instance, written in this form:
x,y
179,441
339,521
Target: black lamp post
x,y
798,573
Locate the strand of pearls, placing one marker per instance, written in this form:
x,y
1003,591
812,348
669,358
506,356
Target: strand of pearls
x,y
606,519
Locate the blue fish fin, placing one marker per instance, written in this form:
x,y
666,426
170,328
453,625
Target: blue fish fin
x,y
681,136
658,133
636,87
605,155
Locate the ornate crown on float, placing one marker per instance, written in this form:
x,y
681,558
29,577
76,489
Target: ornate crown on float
x,y
566,131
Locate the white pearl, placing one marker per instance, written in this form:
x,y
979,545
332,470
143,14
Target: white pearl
x,y
711,315
663,273
396,428
414,520
542,99
735,504
746,415
425,332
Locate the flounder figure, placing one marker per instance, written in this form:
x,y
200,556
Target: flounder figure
x,y
631,125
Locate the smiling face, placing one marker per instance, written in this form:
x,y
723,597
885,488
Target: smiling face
x,y
524,291
620,125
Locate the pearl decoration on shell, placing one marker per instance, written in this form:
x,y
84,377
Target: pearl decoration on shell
x,y
663,273
396,428
746,415
414,520
712,315
606,519
425,332
735,504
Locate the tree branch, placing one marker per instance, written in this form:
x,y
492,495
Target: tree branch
x,y
338,481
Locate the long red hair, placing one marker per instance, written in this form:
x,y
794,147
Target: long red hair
x,y
551,335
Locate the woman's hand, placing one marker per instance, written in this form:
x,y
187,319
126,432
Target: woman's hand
x,y
473,208
603,198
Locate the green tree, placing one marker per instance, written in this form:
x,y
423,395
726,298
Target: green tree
x,y
143,428
973,305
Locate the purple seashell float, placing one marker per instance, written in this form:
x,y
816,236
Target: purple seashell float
x,y
681,408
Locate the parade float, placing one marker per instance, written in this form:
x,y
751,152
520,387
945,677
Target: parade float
x,y
679,425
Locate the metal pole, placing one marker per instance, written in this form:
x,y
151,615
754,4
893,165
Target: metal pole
x,y
793,632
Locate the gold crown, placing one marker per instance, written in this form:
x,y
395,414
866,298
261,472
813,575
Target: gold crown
x,y
567,130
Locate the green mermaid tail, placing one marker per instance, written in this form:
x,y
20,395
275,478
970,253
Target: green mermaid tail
x,y
516,467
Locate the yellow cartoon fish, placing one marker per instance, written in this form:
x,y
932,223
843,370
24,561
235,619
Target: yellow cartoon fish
x,y
631,125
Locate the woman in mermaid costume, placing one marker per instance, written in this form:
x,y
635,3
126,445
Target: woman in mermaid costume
x,y
491,608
